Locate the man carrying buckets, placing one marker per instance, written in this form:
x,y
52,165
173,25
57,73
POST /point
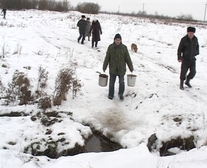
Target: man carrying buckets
x,y
117,56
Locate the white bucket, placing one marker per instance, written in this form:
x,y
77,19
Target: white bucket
x,y
103,80
131,80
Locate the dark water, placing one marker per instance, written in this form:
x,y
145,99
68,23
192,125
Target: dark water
x,y
97,143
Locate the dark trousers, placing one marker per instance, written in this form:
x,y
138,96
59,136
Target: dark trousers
x,y
185,66
111,85
96,43
82,35
4,15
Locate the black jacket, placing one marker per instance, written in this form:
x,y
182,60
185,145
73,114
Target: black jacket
x,y
82,25
188,48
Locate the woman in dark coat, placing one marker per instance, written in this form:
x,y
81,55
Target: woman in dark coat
x,y
96,31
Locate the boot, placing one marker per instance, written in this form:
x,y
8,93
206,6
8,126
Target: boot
x,y
187,82
181,85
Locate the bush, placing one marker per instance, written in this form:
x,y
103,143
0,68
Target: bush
x,y
18,90
90,8
185,17
65,81
45,103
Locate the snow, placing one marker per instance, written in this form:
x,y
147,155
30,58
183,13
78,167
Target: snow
x,y
49,39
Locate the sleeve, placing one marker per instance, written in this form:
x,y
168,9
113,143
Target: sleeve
x,y
106,60
129,61
197,48
180,49
78,24
100,28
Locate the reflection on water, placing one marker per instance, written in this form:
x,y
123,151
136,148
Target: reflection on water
x,y
97,143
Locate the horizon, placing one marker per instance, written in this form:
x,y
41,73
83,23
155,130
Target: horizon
x,y
172,9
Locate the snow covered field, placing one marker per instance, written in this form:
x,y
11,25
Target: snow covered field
x,y
155,105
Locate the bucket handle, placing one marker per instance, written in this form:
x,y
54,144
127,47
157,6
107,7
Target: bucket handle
x,y
98,72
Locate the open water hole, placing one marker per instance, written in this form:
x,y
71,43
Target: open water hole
x,y
98,143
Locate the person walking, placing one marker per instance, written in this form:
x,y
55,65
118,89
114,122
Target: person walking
x,y
82,29
96,31
188,49
88,28
117,56
4,13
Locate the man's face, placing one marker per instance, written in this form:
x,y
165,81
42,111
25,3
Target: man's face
x,y
117,41
190,35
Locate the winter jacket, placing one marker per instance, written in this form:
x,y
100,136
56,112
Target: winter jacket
x,y
88,28
188,48
96,31
82,26
117,57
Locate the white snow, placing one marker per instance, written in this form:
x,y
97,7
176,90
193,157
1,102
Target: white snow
x,y
49,40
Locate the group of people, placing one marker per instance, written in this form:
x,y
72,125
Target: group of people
x,y
86,29
117,56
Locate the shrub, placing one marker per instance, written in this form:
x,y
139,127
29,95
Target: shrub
x,y
18,89
65,81
42,77
45,103
91,8
185,17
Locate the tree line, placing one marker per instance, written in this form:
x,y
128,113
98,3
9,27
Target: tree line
x,y
51,5
35,4
64,6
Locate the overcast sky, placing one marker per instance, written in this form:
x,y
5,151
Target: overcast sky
x,y
196,8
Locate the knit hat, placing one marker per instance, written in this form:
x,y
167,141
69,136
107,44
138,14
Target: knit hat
x,y
191,29
83,16
117,36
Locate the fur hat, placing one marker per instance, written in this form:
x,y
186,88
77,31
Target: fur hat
x,y
117,36
191,29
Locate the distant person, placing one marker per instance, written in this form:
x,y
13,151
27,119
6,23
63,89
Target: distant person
x,y
82,29
117,56
4,13
95,31
88,27
187,50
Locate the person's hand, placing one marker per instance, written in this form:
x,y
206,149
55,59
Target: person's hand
x,y
179,60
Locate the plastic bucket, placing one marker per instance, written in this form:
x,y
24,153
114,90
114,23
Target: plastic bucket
x,y
131,80
103,80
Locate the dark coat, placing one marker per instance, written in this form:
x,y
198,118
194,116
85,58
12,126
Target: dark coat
x,y
96,31
188,48
4,11
117,57
82,26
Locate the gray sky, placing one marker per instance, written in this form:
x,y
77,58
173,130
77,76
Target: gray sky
x,y
196,8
